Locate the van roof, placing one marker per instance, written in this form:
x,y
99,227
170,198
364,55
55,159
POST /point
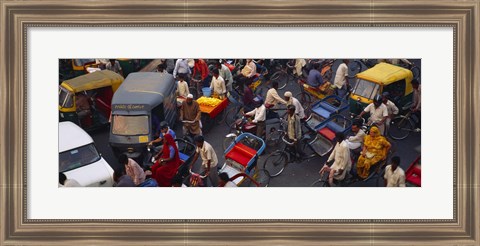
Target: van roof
x,y
146,88
71,136
93,80
385,74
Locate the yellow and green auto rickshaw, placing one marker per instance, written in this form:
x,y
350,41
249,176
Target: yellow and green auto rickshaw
x,y
383,77
86,99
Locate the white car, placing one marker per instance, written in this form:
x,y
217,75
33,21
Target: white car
x,y
79,158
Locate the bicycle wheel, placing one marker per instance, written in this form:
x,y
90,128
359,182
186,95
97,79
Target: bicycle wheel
x,y
281,77
275,163
416,72
193,91
231,116
227,142
319,183
400,128
354,68
305,99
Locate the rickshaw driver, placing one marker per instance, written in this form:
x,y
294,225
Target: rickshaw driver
x,y
378,113
340,160
190,111
294,130
260,113
164,129
391,108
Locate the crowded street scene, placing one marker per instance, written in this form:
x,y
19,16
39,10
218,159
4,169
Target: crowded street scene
x,y
240,122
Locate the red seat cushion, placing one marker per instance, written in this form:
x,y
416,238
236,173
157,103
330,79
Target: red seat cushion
x,y
326,132
241,154
414,176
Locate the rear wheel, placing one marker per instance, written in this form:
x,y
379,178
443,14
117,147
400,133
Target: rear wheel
x,y
231,116
228,141
307,148
305,99
400,128
319,183
281,77
416,72
275,163
354,68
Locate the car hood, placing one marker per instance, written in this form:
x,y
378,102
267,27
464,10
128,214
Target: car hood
x,y
92,174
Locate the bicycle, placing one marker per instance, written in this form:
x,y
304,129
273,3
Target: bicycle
x,y
402,125
276,162
195,88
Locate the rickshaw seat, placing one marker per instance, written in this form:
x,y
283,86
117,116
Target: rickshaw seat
x,y
183,157
241,154
328,133
414,176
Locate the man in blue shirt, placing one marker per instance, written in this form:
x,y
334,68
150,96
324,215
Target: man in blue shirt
x,y
164,129
315,77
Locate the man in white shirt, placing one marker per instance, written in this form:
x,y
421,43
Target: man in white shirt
x,y
272,98
218,85
355,142
181,67
299,110
394,175
341,79
391,108
182,87
378,113
209,159
260,113
226,74
114,66
340,160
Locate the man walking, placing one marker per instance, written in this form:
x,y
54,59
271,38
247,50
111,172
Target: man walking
x,y
209,159
394,175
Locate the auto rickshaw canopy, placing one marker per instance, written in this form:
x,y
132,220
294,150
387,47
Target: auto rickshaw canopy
x,y
385,74
143,91
95,80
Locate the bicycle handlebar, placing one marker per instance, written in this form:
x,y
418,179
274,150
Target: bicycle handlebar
x,y
201,176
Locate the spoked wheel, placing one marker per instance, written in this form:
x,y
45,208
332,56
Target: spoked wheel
x,y
416,72
275,163
354,68
307,149
281,77
228,141
400,128
320,183
305,99
231,116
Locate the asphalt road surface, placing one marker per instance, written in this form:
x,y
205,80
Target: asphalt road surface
x,y
295,174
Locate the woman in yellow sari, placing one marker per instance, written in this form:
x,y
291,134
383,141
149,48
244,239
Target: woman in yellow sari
x,y
375,149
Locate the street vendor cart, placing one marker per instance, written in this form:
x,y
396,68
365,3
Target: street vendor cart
x,y
212,111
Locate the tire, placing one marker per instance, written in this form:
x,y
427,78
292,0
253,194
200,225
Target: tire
x,y
227,142
305,99
400,128
319,183
328,75
354,68
282,79
275,163
193,91
307,149
416,72
230,117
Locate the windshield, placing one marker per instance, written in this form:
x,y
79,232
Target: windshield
x,y
366,89
130,124
81,62
78,157
65,99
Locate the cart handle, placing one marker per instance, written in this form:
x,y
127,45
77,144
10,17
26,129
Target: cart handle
x,y
201,176
244,175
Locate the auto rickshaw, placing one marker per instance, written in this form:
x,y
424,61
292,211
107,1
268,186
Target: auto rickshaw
x,y
132,65
143,101
383,77
85,100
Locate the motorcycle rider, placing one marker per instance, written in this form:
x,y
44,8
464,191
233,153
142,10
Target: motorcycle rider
x,y
378,113
260,113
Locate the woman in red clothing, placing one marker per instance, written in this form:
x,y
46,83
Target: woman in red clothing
x,y
166,166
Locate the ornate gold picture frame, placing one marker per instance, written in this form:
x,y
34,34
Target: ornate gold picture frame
x,y
17,16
